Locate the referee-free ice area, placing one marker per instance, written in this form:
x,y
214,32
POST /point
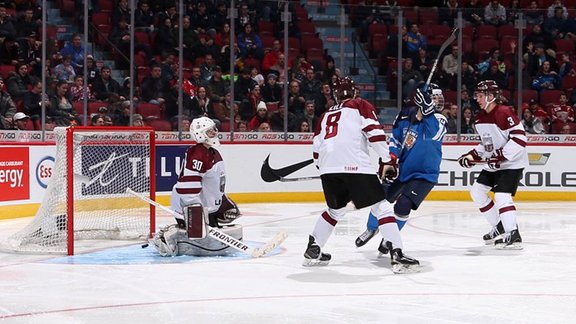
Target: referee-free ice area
x,y
462,280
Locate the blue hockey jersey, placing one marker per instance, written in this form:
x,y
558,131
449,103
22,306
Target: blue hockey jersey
x,y
418,144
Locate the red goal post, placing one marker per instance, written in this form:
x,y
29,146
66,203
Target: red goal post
x,y
86,198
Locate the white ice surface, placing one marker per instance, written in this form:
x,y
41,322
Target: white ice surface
x,y
462,281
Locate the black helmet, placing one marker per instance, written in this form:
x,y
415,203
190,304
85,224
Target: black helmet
x,y
344,88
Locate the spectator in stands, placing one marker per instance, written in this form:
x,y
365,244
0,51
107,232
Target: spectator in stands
x,y
207,66
451,114
467,102
309,115
223,36
546,79
271,91
560,118
104,86
304,127
7,28
264,127
551,11
250,43
449,69
538,36
19,82
32,101
196,78
277,119
279,70
271,56
494,13
97,120
244,17
422,63
207,46
26,24
120,12
415,40
143,16
20,121
448,12
532,124
410,79
561,110
533,14
61,106
202,21
295,99
329,69
77,90
299,67
138,121
558,26
325,100
366,15
199,105
567,129
166,37
223,108
566,66
216,85
310,86
154,88
125,91
249,107
493,56
93,70
9,51
473,12
65,71
7,107
190,40
535,58
170,11
30,52
50,124
467,122
76,51
494,73
220,17
256,76
537,111
469,76
243,85
260,117
513,11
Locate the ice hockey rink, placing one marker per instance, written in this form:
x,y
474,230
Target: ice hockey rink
x,y
462,280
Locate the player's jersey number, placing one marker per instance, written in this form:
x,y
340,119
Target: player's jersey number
x,y
332,124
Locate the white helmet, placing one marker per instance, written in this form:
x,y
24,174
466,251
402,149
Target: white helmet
x,y
199,127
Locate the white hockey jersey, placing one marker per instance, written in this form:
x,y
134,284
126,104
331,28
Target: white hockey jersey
x,y
342,137
202,179
502,129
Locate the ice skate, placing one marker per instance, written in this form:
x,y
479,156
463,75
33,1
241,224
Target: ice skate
x,y
314,256
509,241
365,237
494,234
402,263
382,248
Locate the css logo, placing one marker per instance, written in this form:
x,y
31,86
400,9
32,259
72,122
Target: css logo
x,y
44,171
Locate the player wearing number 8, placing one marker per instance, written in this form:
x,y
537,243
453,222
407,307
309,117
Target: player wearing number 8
x,y
340,152
503,147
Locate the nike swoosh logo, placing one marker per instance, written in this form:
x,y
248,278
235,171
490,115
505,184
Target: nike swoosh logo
x,y
404,117
270,175
415,194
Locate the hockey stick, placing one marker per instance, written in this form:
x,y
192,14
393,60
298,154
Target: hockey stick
x,y
474,162
223,237
270,175
446,43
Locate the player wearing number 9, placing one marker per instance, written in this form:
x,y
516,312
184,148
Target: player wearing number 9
x,y
340,151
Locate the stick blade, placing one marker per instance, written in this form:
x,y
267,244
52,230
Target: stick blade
x,y
270,245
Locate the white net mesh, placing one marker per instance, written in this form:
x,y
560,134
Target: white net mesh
x,y
104,164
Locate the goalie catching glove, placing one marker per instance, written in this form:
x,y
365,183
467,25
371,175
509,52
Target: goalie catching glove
x,y
227,213
388,171
467,160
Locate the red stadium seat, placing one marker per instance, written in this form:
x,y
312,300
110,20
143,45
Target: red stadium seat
x,y
5,71
549,96
160,125
148,110
486,31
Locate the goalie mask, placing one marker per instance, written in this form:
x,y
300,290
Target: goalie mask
x,y
344,88
203,130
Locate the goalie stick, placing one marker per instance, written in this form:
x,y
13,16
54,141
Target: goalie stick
x,y
446,43
270,175
223,237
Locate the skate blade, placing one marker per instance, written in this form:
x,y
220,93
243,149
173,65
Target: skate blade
x,y
404,268
359,242
513,246
314,263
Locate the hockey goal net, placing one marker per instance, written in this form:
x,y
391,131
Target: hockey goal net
x,y
86,197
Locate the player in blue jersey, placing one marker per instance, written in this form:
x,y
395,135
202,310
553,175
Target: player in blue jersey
x,y
417,142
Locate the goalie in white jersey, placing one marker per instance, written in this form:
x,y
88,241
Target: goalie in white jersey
x,y
340,151
503,154
199,196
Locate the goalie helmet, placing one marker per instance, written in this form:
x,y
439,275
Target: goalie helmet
x,y
344,88
199,129
435,93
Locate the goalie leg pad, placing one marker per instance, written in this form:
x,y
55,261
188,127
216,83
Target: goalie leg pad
x,y
195,227
166,240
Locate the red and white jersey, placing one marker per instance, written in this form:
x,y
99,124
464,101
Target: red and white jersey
x,y
502,129
563,112
342,137
202,179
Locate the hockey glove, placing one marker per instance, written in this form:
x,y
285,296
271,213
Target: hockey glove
x,y
424,102
388,171
467,160
496,159
227,213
